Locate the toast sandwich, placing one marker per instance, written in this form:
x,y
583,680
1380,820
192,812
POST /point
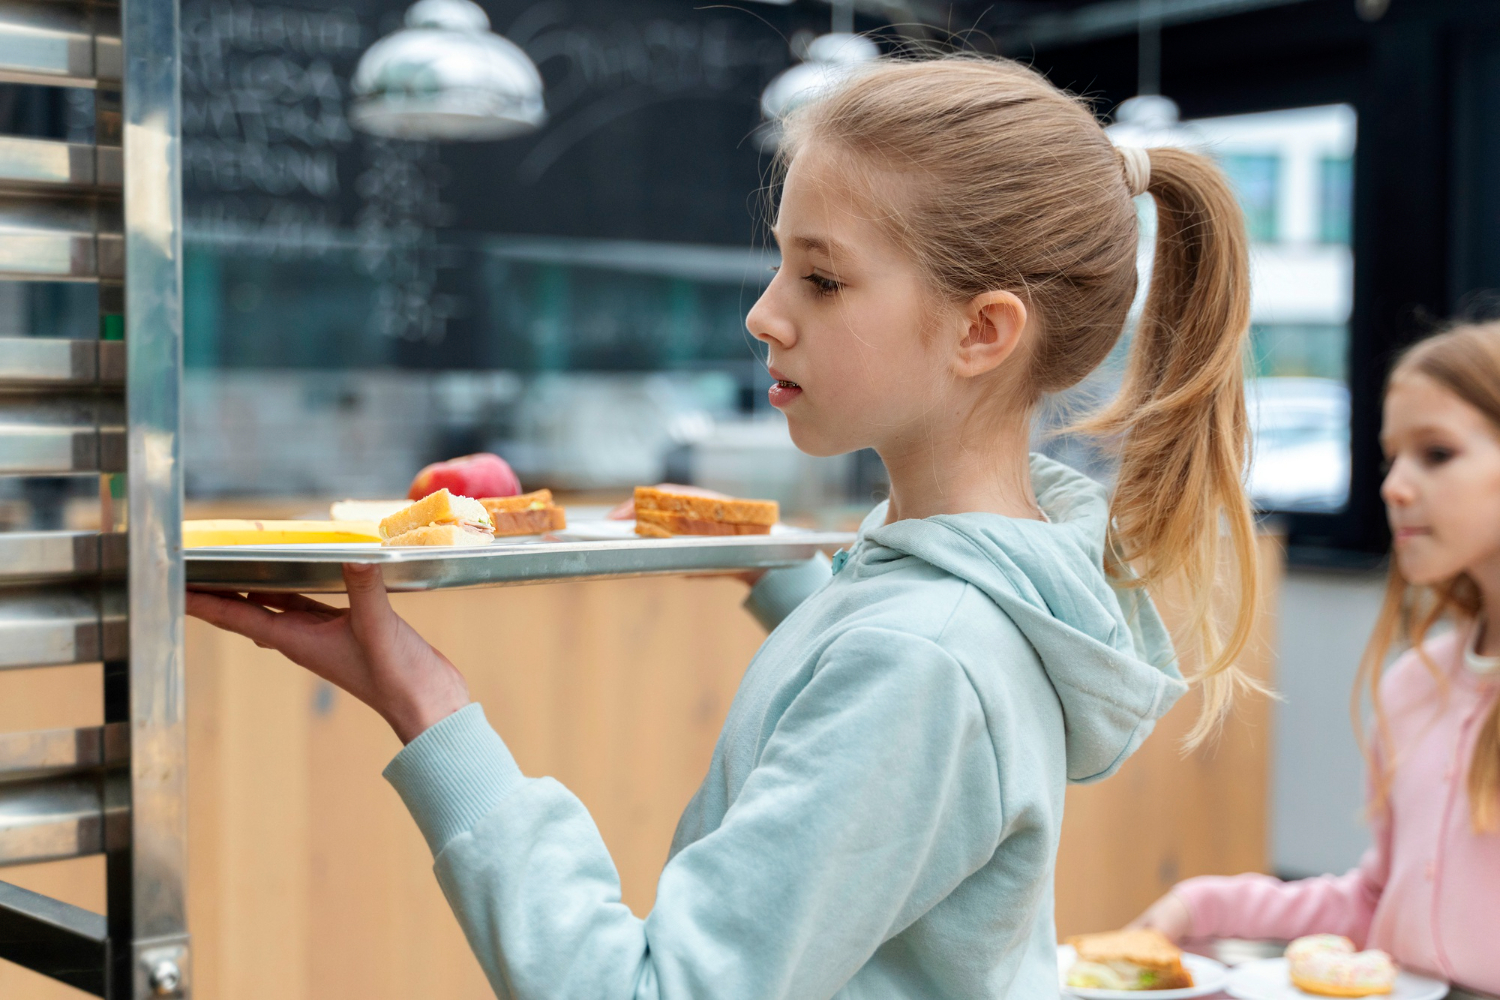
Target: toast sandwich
x,y
1128,960
665,514
526,514
439,519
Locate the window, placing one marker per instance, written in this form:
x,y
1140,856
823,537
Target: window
x,y
1256,182
1336,199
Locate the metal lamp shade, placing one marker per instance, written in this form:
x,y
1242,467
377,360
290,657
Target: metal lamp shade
x,y
446,76
1152,120
831,59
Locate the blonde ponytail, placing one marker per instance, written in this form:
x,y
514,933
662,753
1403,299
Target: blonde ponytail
x,y
1180,418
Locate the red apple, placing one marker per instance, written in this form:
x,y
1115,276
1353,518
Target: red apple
x,y
481,475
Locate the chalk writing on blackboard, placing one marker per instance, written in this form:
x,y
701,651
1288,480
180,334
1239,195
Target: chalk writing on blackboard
x,y
263,119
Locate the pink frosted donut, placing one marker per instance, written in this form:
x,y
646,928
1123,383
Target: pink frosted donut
x,y
1328,965
1315,944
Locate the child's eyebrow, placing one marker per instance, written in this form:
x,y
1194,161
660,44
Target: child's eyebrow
x,y
830,248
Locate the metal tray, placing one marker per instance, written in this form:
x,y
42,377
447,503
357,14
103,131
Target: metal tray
x,y
314,569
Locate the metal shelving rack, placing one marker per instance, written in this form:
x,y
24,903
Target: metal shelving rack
x,y
107,212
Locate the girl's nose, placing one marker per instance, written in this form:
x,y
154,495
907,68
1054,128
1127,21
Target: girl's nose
x,y
1396,490
767,322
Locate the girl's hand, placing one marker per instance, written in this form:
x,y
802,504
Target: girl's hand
x,y
1169,915
366,649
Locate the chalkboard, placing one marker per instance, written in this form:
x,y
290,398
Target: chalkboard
x,y
650,105
312,244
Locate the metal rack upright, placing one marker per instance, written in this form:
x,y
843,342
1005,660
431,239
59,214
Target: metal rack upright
x,y
107,212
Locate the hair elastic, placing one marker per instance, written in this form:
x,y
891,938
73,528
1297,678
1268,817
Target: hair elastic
x,y
1137,166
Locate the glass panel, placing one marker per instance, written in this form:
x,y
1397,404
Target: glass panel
x,y
573,299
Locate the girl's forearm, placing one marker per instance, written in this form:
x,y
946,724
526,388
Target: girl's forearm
x,y
1263,907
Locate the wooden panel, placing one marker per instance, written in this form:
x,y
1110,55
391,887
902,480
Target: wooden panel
x,y
308,878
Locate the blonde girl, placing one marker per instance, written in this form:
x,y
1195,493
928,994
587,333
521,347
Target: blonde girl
x,y
1428,890
880,816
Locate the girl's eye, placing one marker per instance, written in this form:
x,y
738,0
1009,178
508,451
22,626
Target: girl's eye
x,y
1436,455
825,286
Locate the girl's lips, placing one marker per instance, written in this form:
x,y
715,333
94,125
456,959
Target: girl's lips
x,y
783,393
1407,534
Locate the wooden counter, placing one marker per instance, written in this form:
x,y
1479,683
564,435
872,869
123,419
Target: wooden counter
x,y
308,881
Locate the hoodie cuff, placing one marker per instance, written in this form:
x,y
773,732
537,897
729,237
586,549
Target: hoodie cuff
x,y
778,592
453,775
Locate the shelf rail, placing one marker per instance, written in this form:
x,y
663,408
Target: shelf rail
x,y
105,407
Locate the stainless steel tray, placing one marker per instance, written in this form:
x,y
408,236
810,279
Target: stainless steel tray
x,y
314,569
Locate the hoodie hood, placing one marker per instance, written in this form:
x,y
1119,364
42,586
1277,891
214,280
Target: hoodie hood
x,y
1103,645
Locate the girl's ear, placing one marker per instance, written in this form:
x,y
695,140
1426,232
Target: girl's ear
x,y
992,326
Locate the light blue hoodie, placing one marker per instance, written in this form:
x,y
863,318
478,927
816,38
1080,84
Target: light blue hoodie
x,y
881,814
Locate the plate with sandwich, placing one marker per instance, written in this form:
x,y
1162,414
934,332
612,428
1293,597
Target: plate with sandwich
x,y
1120,964
673,511
441,518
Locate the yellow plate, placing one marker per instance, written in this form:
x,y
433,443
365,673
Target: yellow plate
x,y
199,534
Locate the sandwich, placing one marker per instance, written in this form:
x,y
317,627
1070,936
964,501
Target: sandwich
x,y
527,514
664,514
439,519
1127,960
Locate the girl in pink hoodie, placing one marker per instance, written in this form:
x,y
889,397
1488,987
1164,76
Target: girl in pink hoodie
x,y
1428,891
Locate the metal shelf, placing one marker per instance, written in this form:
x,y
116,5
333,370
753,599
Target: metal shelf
x,y
315,569
60,238
42,626
69,407
59,44
32,556
61,434
58,363
48,163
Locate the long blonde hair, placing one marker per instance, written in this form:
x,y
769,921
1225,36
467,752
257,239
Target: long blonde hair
x,y
1012,184
1466,361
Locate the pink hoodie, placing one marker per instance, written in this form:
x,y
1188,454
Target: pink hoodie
x,y
1428,891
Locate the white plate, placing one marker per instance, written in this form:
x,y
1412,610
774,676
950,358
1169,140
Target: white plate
x,y
1267,979
1208,978
601,530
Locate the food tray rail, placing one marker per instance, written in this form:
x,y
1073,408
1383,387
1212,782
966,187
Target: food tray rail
x,y
316,569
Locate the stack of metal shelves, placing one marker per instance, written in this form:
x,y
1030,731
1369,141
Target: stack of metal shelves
x,y
105,407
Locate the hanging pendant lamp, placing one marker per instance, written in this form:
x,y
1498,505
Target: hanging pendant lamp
x,y
445,76
1149,118
828,61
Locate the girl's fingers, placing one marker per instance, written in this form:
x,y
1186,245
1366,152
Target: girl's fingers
x,y
366,588
295,602
234,614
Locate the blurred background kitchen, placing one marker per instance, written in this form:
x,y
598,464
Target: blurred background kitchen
x,y
534,227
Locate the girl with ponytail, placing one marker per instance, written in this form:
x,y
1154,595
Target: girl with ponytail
x,y
881,814
1428,890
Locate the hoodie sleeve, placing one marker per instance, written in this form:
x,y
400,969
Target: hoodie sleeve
x,y
1264,907
876,794
778,592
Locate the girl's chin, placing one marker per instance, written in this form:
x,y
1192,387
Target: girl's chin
x,y
1425,572
810,442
